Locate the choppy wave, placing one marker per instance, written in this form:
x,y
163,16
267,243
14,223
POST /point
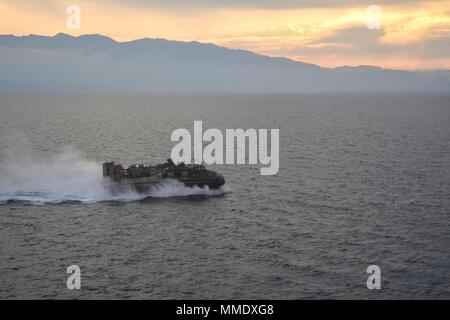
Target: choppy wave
x,y
68,177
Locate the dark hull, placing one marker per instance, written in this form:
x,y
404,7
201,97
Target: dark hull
x,y
214,183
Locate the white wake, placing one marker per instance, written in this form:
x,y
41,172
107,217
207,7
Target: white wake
x,y
69,177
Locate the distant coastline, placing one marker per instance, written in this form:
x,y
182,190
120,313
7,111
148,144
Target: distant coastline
x,y
98,63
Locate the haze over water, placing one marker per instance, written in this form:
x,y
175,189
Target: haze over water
x,y
363,179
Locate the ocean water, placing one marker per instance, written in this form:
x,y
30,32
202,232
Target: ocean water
x,y
363,179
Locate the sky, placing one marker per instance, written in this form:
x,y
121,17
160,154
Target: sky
x,y
399,34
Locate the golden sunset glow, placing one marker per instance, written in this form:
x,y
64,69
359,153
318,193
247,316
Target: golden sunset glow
x,y
413,35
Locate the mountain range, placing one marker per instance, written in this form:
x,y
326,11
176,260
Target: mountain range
x,y
99,63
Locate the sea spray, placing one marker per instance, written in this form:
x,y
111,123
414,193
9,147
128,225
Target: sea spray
x,y
174,188
68,176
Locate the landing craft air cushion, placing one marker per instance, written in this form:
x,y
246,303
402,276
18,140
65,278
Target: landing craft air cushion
x,y
142,177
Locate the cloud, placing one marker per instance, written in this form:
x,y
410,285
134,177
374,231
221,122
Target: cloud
x,y
360,45
259,4
208,4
